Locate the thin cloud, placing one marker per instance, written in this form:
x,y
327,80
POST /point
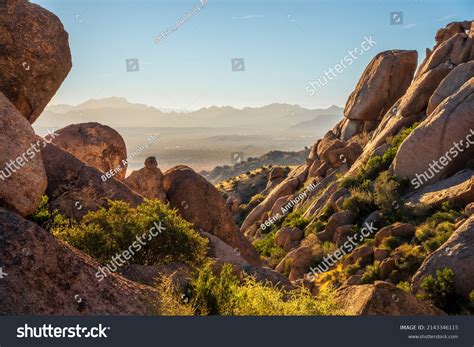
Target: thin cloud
x,y
447,17
409,26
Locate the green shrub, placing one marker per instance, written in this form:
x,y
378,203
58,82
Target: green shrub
x,y
371,273
266,245
352,269
439,289
315,227
410,259
387,197
391,242
376,164
48,219
437,229
405,286
213,295
107,232
361,202
256,199
223,294
296,220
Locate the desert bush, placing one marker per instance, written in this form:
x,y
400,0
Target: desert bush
x,y
439,289
391,242
352,269
267,247
361,202
405,286
371,273
410,259
256,199
46,218
224,294
315,227
437,229
296,220
109,231
387,197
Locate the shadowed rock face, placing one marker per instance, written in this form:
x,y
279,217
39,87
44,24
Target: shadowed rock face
x,y
381,298
385,79
34,56
46,277
96,145
148,181
200,203
457,254
75,188
458,190
23,183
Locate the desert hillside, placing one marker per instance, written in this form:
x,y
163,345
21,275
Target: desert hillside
x,y
377,220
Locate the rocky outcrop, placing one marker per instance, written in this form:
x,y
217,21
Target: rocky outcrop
x,y
383,82
450,84
338,219
364,255
458,190
401,230
148,181
296,263
224,253
289,238
381,299
22,174
450,124
47,277
287,187
200,203
75,188
35,57
96,145
454,51
456,254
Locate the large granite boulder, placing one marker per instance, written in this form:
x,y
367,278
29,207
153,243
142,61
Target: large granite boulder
x,y
200,203
96,145
34,56
148,181
381,299
443,139
383,82
75,188
22,174
47,277
457,189
450,84
454,51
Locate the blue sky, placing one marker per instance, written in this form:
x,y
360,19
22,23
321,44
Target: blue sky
x,y
284,44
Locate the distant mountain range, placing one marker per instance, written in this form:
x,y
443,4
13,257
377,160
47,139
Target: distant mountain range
x,y
119,113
